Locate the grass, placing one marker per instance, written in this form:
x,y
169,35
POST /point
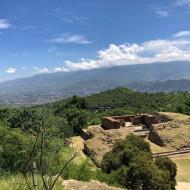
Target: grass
x,y
156,149
183,168
79,167
68,153
18,183
78,146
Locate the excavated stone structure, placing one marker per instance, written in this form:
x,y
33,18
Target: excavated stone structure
x,y
115,122
100,139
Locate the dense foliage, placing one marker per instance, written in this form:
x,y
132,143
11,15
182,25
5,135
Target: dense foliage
x,y
131,163
14,148
63,119
121,101
135,102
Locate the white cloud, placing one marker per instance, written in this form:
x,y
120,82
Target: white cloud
x,y
171,8
183,3
160,50
11,70
70,38
162,13
61,69
4,24
184,33
41,70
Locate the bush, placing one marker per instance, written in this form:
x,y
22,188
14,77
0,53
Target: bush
x,y
124,152
168,166
14,150
76,119
132,165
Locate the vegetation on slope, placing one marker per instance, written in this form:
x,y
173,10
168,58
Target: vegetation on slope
x,y
18,127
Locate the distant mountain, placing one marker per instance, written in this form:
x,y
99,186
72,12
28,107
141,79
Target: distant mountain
x,y
161,86
54,86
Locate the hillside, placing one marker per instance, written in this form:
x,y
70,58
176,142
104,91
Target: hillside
x,y
55,86
65,119
135,101
161,86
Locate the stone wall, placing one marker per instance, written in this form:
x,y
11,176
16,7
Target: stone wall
x,y
111,123
116,122
155,138
126,118
148,120
91,154
136,120
86,150
85,135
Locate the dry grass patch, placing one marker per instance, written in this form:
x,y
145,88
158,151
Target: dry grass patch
x,y
157,149
183,168
183,186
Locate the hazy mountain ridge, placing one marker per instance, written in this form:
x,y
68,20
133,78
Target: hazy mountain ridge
x,y
173,76
140,72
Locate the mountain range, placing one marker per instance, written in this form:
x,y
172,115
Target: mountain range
x,y
155,77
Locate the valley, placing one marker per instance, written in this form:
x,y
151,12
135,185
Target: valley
x,y
50,87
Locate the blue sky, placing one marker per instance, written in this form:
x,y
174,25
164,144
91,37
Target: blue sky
x,y
40,36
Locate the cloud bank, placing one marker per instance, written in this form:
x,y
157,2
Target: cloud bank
x,y
41,70
177,48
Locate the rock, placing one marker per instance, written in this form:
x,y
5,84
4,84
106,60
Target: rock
x,y
92,185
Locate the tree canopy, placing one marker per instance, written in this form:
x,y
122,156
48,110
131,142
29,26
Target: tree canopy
x,y
131,162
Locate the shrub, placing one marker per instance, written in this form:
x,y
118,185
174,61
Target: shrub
x,y
131,163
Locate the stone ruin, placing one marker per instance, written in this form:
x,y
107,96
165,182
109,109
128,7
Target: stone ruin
x,y
115,122
101,138
166,132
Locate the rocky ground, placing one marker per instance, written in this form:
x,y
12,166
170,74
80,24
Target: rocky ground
x,y
92,185
96,185
103,141
175,133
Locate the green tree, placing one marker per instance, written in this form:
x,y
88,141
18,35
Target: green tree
x,y
168,166
77,119
132,164
77,102
14,149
